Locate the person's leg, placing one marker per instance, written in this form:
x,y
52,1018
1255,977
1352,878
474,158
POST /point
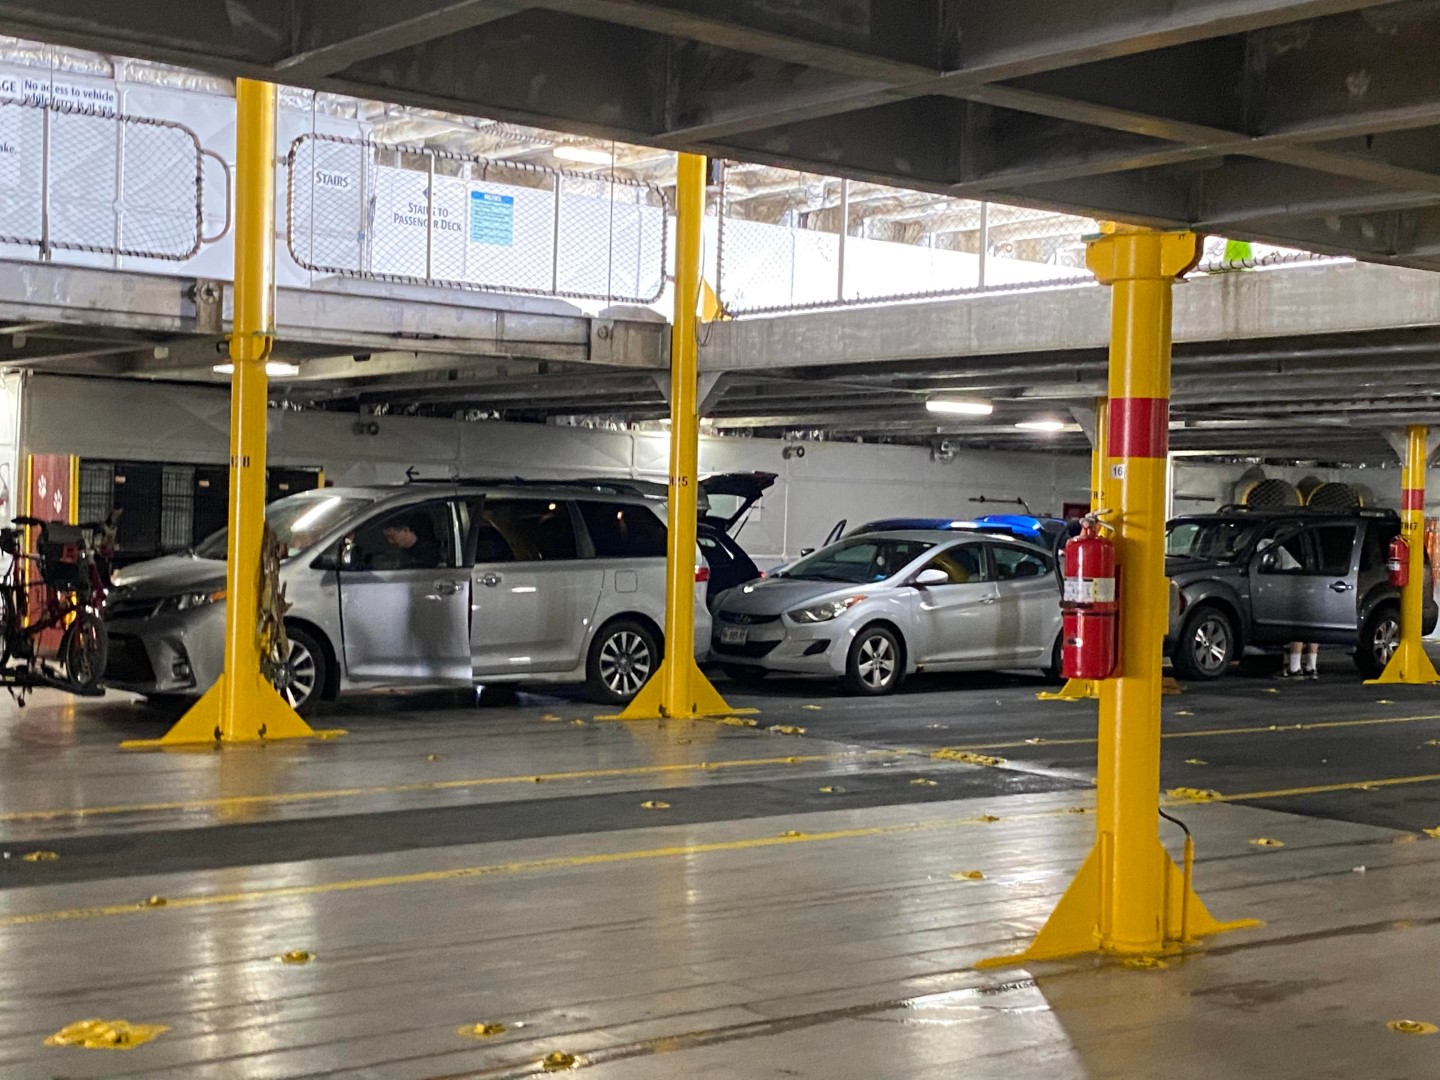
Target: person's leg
x,y
1292,661
1312,660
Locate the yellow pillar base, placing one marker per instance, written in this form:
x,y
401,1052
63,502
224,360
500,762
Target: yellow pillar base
x,y
699,699
1073,928
1073,690
267,718
1409,665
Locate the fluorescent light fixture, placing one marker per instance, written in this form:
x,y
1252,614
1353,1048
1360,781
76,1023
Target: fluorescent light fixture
x,y
959,406
1049,427
583,154
276,369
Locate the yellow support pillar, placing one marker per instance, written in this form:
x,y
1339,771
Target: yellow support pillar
x,y
242,707
1129,898
679,687
1089,689
1409,664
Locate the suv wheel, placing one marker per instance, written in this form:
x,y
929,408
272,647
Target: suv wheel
x,y
623,656
1207,644
876,664
1379,638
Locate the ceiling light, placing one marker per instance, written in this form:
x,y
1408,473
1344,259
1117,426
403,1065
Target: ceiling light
x,y
276,369
1050,427
583,154
959,406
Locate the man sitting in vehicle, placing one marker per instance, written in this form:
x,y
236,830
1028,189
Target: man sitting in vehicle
x,y
412,542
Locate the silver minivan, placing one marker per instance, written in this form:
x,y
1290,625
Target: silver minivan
x,y
423,585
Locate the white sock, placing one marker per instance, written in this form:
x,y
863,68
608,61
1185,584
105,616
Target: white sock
x,y
1310,661
1294,663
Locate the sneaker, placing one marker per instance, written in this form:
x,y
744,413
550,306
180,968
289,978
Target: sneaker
x,y
1286,673
1313,675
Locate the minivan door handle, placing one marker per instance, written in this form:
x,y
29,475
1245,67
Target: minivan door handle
x,y
490,580
1340,586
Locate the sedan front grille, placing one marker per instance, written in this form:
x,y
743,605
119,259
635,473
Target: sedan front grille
x,y
116,610
744,618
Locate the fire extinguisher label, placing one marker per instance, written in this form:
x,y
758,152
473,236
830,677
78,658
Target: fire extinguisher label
x,y
1089,590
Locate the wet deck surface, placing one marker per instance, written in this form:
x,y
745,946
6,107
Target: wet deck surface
x,y
792,912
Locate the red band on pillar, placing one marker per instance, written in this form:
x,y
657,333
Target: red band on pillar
x,y
1412,499
1139,427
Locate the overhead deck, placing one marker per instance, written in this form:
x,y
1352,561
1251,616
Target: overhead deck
x,y
1306,122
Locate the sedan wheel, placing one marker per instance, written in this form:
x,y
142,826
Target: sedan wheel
x,y
875,664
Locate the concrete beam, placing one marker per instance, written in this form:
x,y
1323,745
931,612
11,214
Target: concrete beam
x,y
1337,298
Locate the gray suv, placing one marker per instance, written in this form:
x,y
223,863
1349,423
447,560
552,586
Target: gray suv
x,y
1257,579
423,585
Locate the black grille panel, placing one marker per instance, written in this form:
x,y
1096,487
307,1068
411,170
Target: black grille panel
x,y
128,661
744,618
752,650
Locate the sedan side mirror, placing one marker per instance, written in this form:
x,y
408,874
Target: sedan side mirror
x,y
806,551
932,576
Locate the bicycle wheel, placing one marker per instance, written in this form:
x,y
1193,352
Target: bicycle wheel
x,y
84,650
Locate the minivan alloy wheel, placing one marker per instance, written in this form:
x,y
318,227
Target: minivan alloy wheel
x,y
297,678
625,663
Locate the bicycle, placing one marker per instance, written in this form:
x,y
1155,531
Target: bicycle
x,y
69,577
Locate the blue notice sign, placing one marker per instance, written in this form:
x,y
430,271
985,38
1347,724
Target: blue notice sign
x,y
492,218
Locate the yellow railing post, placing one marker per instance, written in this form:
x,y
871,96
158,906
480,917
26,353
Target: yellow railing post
x,y
242,706
1409,664
1130,898
1089,689
679,687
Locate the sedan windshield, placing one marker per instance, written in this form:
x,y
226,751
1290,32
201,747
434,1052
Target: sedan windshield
x,y
299,521
1216,540
859,559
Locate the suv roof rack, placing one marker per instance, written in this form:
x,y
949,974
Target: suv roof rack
x,y
1282,511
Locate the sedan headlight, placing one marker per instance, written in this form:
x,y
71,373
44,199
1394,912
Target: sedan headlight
x,y
186,601
831,609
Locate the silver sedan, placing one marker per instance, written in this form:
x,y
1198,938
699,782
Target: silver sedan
x,y
872,609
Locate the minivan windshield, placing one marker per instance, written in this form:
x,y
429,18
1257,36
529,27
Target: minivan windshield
x,y
298,520
859,559
1213,539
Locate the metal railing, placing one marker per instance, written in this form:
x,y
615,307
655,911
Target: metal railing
x,y
416,214
807,242
80,179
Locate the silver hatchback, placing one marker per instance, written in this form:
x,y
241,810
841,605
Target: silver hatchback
x,y
874,608
423,585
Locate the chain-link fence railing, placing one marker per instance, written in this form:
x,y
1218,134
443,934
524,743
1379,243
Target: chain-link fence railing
x,y
416,214
97,181
803,241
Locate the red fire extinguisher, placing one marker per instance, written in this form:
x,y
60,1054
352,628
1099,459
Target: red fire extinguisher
x,y
1397,562
1090,607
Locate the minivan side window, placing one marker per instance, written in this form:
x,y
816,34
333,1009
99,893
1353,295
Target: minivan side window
x,y
414,538
524,530
623,530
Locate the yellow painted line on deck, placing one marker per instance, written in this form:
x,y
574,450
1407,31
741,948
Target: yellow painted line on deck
x,y
1314,789
1212,733
524,866
435,785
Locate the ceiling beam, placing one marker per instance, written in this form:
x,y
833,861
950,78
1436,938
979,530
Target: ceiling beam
x,y
335,34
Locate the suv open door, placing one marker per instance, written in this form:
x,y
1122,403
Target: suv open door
x,y
728,497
